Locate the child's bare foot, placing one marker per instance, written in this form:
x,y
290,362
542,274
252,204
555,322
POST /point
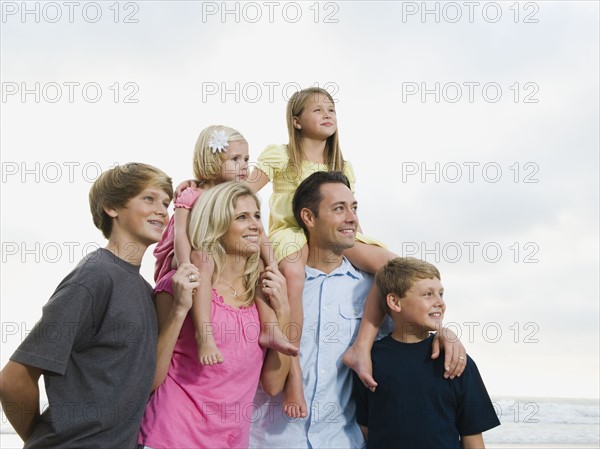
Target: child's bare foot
x,y
271,337
294,404
208,353
359,361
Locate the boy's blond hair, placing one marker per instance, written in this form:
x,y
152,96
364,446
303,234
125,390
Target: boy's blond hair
x,y
115,187
399,275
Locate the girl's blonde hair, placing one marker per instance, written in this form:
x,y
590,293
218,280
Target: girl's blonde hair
x,y
333,153
209,221
206,163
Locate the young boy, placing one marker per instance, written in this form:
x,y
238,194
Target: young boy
x,y
96,342
414,406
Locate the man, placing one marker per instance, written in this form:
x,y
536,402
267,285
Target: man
x,y
333,300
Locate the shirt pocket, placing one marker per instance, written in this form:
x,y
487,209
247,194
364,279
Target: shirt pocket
x,y
350,315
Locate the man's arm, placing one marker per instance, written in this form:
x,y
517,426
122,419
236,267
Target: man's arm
x,y
20,396
455,354
472,441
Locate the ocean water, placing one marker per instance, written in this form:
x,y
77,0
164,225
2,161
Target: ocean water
x,y
526,422
551,421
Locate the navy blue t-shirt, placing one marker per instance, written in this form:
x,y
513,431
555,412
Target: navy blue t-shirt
x,y
414,406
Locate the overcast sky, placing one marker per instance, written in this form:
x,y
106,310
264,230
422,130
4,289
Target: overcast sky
x,y
473,130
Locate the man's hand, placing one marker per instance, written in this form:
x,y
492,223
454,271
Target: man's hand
x,y
455,354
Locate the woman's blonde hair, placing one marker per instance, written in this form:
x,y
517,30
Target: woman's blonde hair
x,y
206,163
333,153
209,221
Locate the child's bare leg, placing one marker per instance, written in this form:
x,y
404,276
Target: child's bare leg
x,y
369,258
358,357
292,268
270,333
208,352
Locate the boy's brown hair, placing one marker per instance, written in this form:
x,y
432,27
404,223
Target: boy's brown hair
x,y
399,275
115,187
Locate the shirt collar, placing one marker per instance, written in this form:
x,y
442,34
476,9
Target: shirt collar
x,y
345,269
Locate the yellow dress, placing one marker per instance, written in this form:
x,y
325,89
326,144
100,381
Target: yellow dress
x,y
285,235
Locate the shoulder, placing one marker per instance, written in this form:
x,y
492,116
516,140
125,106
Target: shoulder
x,y
188,197
349,172
471,371
274,154
100,270
93,270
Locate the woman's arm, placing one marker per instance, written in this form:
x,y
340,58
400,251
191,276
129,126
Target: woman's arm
x,y
20,396
277,365
170,314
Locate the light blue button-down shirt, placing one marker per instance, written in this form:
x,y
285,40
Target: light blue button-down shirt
x,y
333,305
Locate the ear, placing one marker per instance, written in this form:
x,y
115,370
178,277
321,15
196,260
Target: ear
x,y
110,211
393,302
296,122
307,217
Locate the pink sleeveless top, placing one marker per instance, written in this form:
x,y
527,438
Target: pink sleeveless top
x,y
207,406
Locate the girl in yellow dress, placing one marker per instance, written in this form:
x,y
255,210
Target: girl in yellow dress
x,y
313,146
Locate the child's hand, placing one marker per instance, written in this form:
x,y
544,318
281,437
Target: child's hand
x,y
274,287
455,354
185,281
184,185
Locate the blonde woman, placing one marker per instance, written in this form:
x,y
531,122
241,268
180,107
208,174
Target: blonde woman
x,y
208,406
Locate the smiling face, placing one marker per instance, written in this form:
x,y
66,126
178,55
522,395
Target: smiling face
x,y
318,118
142,220
235,162
334,228
243,235
421,310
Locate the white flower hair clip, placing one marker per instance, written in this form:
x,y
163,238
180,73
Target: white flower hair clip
x,y
218,141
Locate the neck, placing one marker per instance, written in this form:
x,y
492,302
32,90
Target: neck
x,y
131,252
233,268
314,149
323,258
409,332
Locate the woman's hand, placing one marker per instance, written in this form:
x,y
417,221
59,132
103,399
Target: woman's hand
x,y
274,287
185,281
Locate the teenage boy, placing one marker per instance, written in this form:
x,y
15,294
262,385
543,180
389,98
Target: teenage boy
x,y
414,406
96,342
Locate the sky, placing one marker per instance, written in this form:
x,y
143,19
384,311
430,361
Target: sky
x,y
472,128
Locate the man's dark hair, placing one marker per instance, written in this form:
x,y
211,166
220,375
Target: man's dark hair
x,y
308,193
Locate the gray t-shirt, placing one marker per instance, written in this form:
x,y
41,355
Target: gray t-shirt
x,y
96,341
